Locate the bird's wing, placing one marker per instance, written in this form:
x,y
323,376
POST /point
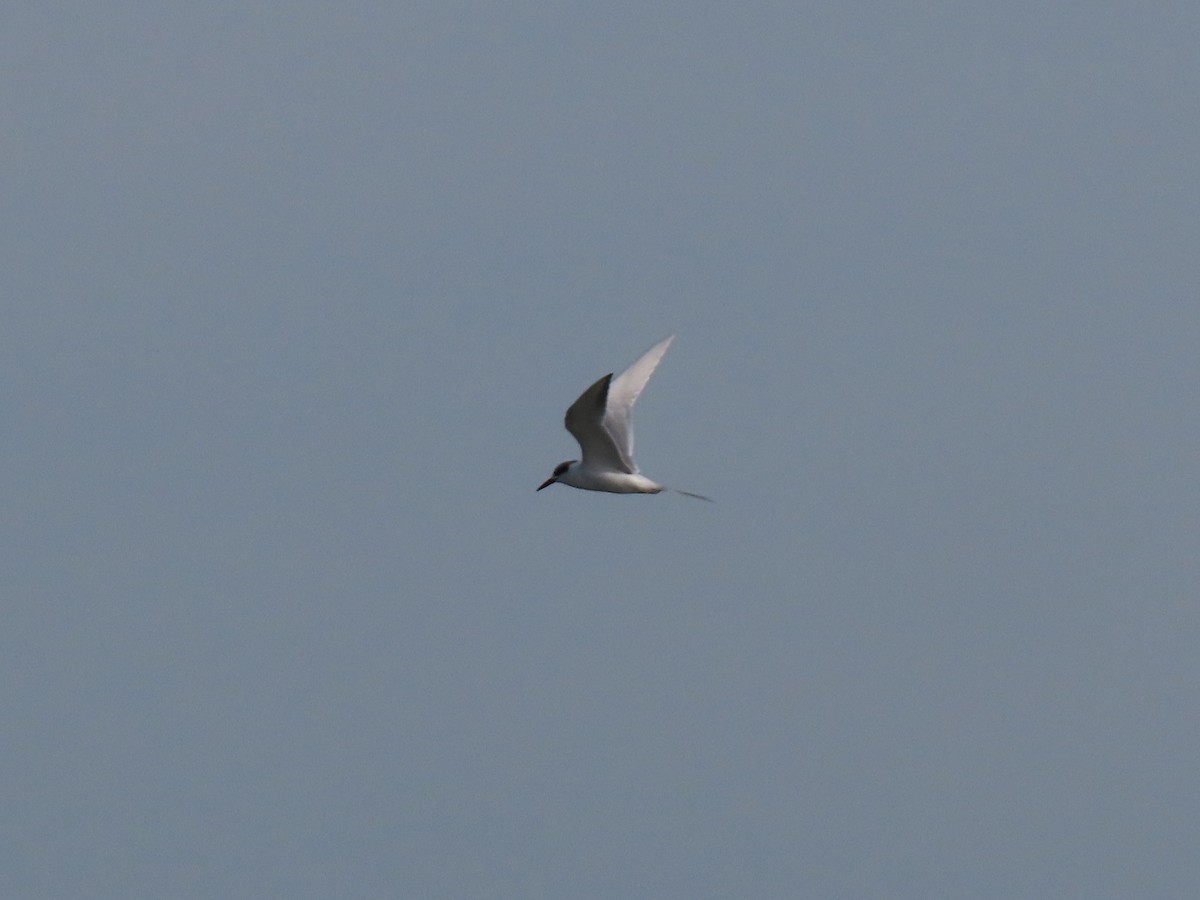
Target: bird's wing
x,y
585,420
622,394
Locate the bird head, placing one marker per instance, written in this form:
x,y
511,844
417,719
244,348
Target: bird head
x,y
559,471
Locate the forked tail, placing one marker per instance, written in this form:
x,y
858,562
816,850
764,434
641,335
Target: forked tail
x,y
690,494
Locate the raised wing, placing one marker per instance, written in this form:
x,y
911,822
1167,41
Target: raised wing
x,y
585,420
622,394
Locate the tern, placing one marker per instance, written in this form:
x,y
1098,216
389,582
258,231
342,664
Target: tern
x,y
601,421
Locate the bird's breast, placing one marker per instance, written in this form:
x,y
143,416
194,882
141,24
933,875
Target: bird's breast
x,y
612,482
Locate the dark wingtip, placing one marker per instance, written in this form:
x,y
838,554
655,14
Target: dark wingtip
x,y
602,395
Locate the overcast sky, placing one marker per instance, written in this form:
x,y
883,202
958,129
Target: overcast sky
x,y
295,297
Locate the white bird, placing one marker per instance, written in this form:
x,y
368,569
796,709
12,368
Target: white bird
x,y
601,421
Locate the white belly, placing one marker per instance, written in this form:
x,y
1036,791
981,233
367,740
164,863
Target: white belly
x,y
613,482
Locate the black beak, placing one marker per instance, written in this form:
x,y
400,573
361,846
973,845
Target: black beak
x,y
549,481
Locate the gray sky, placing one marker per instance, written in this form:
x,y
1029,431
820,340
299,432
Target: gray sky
x,y
294,301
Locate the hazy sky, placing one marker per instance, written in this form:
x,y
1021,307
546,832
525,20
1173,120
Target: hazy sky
x,y
294,299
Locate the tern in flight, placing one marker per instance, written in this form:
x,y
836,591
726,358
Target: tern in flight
x,y
601,421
